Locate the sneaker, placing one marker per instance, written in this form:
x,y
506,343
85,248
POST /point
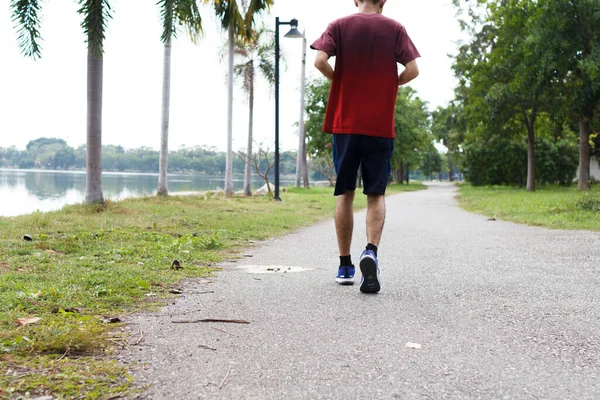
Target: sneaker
x,y
345,275
369,266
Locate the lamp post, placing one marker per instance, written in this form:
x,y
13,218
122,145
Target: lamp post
x,y
293,33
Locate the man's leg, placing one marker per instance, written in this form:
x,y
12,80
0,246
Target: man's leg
x,y
344,221
375,218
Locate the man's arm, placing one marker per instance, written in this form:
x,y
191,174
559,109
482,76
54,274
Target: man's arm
x,y
322,64
410,72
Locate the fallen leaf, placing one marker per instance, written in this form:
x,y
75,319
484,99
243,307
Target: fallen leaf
x,y
203,346
50,252
36,295
111,320
412,345
176,291
27,321
27,238
491,219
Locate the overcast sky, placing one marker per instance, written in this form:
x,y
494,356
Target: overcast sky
x,y
47,97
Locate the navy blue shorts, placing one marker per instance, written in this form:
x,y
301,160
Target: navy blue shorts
x,y
372,154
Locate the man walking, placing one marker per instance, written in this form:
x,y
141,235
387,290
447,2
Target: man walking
x,y
360,115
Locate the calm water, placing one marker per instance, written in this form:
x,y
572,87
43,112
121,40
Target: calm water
x,y
25,191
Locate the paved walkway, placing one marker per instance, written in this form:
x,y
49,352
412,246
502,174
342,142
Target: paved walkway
x,y
501,311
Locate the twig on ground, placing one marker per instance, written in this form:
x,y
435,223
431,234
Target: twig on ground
x,y
224,379
224,331
140,338
66,351
224,321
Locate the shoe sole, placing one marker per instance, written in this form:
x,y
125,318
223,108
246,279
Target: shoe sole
x,y
345,281
370,282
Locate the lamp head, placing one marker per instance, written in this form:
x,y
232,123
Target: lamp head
x,y
294,33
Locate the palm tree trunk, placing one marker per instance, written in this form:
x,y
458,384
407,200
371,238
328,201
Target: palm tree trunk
x,y
584,153
229,158
164,134
93,189
248,170
300,159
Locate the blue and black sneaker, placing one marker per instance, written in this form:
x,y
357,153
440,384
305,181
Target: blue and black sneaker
x,y
345,275
369,266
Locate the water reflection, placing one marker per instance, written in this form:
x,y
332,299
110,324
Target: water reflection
x,y
25,191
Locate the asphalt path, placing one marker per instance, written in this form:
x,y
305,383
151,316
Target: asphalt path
x,y
469,309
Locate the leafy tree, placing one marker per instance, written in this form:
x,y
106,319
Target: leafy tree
x,y
317,96
411,120
448,126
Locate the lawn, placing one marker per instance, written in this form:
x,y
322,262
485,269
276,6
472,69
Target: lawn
x,y
553,207
65,274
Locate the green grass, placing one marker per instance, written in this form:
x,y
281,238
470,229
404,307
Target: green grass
x,y
552,207
89,262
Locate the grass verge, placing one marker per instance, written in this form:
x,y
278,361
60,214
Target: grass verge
x,y
85,264
551,207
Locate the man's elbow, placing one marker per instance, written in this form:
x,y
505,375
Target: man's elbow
x,y
320,64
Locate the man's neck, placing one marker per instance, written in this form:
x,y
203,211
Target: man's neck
x,y
369,8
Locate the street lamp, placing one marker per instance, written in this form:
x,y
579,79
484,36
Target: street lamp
x,y
293,33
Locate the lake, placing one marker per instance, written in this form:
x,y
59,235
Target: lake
x,y
26,191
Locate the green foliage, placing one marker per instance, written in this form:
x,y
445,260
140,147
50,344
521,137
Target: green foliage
x,y
95,14
183,12
25,16
526,60
317,96
411,119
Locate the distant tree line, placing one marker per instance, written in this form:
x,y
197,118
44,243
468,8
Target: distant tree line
x,y
56,154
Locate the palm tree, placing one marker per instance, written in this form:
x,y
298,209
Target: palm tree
x,y
237,26
257,51
25,14
173,12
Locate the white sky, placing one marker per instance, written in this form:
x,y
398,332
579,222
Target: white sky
x,y
47,97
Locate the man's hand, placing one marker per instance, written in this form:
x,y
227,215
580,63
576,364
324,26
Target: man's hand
x,y
410,72
322,64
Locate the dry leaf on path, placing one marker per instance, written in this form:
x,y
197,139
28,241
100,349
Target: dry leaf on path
x,y
27,321
412,345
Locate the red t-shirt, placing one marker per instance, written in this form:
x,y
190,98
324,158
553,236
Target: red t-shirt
x,y
363,93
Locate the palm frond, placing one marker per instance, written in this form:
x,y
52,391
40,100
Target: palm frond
x,y
167,13
229,13
188,15
254,9
25,15
95,13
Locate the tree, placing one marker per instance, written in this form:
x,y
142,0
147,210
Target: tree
x,y
256,54
25,14
317,96
448,127
411,121
569,29
173,12
237,26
